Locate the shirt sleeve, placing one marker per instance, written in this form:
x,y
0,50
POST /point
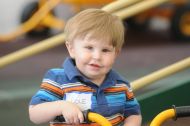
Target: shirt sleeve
x,y
50,89
132,106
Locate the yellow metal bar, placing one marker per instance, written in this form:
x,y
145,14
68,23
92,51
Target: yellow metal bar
x,y
32,50
94,117
87,2
183,64
52,22
32,22
118,4
162,117
137,8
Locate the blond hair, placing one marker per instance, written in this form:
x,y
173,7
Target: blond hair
x,y
100,24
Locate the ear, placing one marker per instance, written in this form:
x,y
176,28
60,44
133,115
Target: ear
x,y
117,52
70,49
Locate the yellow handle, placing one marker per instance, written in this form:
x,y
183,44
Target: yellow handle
x,y
94,117
162,117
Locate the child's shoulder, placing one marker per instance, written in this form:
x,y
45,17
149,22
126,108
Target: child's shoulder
x,y
56,75
119,78
56,72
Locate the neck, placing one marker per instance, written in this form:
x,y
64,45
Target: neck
x,y
98,81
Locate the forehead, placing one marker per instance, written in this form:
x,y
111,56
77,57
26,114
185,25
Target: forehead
x,y
99,39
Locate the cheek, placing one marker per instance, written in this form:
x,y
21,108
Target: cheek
x,y
109,61
82,57
78,52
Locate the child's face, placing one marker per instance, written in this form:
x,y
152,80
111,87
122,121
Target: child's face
x,y
94,58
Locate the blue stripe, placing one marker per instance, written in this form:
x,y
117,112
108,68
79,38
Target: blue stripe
x,y
116,100
94,102
43,96
131,103
51,96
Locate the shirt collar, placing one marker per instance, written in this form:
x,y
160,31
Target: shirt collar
x,y
113,78
72,72
70,69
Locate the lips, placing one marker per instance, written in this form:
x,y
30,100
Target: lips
x,y
95,65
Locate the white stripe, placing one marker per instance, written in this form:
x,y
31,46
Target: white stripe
x,y
120,85
124,85
62,86
71,85
52,82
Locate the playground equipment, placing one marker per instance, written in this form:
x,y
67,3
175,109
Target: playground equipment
x,y
173,113
59,39
88,117
50,21
38,18
176,12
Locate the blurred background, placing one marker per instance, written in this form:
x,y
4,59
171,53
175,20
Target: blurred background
x,y
150,44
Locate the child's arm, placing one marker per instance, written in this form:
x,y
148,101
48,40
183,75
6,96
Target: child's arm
x,y
133,120
46,112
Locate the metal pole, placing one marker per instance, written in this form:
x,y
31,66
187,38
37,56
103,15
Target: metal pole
x,y
118,4
138,7
176,67
32,50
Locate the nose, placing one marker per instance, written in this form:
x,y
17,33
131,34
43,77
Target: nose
x,y
96,54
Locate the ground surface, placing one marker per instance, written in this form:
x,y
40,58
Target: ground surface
x,y
143,53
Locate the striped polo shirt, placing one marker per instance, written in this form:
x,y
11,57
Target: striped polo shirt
x,y
113,98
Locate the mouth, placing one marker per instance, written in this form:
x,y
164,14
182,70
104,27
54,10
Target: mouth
x,y
95,65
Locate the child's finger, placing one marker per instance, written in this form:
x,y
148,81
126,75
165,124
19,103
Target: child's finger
x,y
80,117
68,120
76,120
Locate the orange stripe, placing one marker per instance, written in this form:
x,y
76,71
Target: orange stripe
x,y
129,94
52,88
117,120
115,89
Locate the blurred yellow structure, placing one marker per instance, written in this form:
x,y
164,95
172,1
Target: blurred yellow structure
x,y
173,113
59,39
39,18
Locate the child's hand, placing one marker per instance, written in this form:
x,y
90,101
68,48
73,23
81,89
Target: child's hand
x,y
71,113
